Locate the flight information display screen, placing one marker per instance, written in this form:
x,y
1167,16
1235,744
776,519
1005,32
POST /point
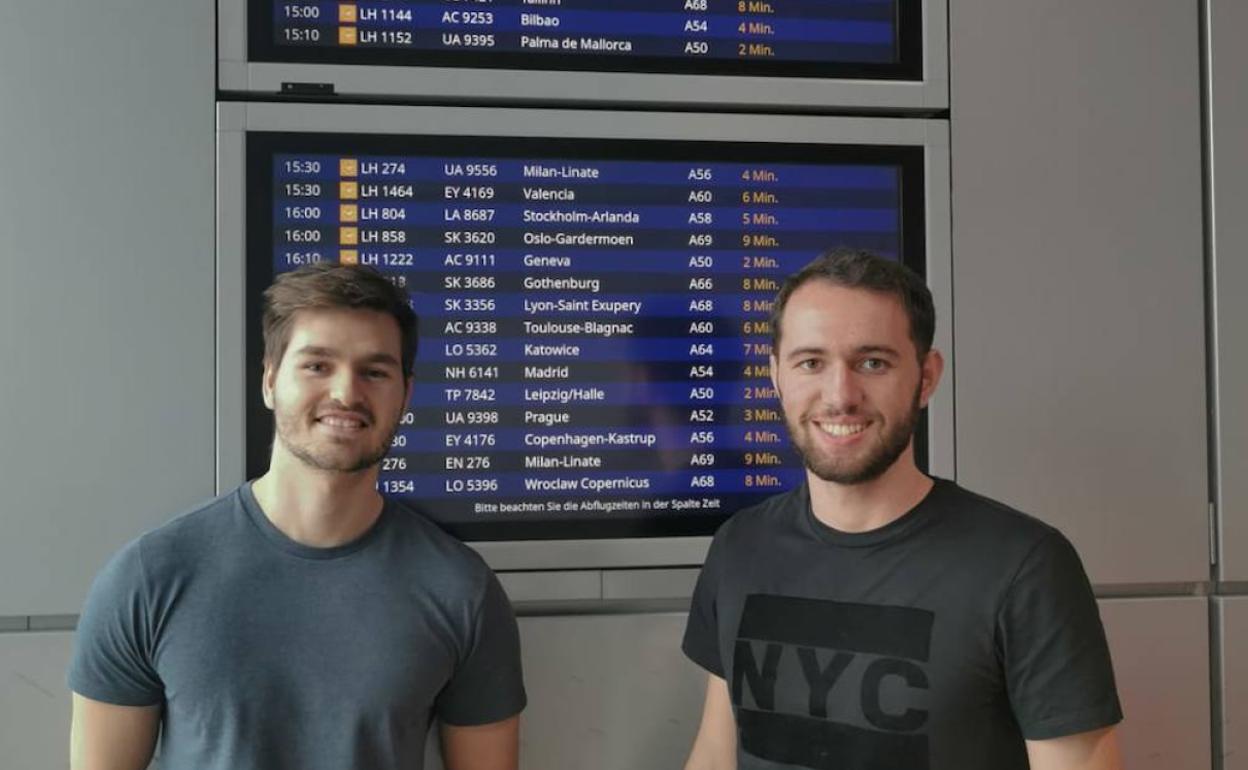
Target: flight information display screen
x,y
875,39
594,334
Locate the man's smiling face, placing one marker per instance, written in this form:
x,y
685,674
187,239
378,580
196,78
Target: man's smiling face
x,y
849,380
338,392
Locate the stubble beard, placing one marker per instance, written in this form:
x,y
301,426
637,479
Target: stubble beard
x,y
890,446
308,453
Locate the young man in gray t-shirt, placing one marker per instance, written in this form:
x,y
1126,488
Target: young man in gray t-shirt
x,y
876,618
302,621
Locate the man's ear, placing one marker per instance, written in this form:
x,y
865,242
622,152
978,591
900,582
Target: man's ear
x,y
930,370
772,368
268,382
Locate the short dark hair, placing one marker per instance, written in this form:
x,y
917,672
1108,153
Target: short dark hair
x,y
858,269
326,286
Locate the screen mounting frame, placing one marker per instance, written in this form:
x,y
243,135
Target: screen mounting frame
x,y
928,93
235,119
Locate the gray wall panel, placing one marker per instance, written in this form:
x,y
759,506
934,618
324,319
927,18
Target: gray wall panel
x,y
1234,683
1160,649
106,305
1078,311
34,702
1229,125
610,692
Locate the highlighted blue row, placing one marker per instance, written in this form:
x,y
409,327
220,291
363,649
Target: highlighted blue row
x,y
593,483
622,307
542,21
485,440
717,262
395,215
482,171
694,349
692,394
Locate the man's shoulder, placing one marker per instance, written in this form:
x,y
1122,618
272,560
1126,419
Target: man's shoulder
x,y
156,557
765,517
1001,537
988,518
417,536
969,517
192,525
195,528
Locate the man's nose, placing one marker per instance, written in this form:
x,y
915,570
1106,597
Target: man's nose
x,y
840,389
345,387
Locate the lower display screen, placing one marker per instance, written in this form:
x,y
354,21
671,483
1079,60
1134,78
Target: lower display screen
x,y
593,355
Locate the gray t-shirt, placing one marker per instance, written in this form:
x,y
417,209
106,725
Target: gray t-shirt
x,y
266,654
938,642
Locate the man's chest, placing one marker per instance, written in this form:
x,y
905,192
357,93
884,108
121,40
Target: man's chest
x,y
237,648
837,672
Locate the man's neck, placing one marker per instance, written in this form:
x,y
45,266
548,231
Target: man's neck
x,y
321,509
871,504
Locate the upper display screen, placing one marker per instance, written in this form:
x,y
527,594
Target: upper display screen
x,y
870,39
593,357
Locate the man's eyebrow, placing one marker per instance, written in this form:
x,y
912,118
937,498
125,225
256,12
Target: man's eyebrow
x,y
809,350
382,358
316,350
863,350
324,352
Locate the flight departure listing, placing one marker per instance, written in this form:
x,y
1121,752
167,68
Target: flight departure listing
x,y
817,32
594,332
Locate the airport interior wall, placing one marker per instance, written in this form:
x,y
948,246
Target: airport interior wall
x,y
1100,227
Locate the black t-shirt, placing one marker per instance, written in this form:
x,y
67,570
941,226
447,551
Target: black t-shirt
x,y
938,642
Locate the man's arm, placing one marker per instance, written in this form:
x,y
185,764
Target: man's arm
x,y
715,747
1093,750
493,746
107,737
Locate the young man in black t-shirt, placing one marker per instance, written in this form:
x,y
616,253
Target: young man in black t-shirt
x,y
876,618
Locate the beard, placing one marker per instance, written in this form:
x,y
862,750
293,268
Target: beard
x,y
878,457
325,453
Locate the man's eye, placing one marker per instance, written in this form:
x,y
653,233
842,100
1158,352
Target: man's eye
x,y
315,366
874,364
376,374
809,364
